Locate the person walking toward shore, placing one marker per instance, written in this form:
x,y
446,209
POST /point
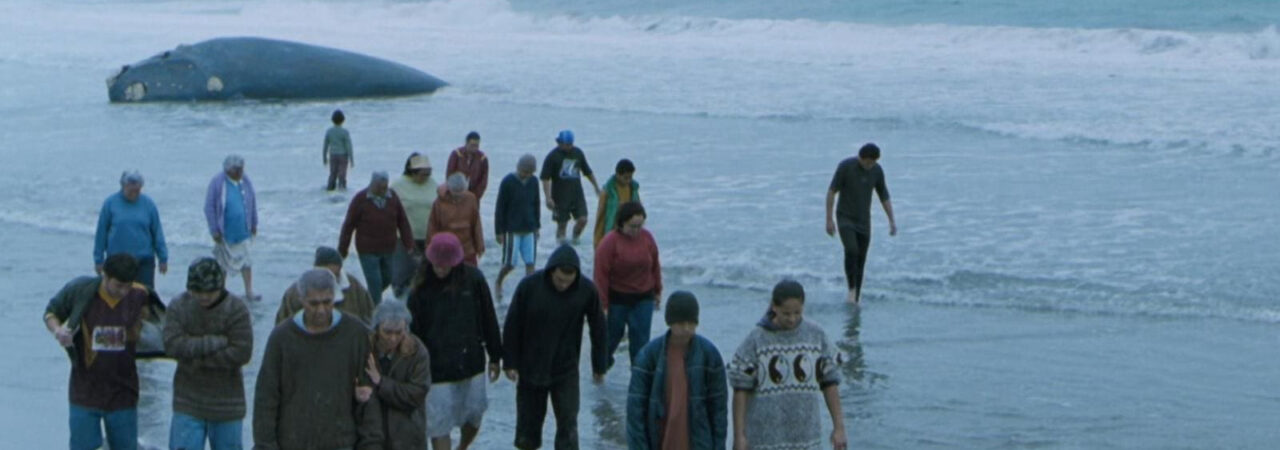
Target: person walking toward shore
x,y
516,220
853,182
453,315
378,220
678,397
130,223
400,369
338,153
628,274
471,162
781,374
209,331
97,321
231,208
620,188
562,172
417,192
354,299
543,339
457,212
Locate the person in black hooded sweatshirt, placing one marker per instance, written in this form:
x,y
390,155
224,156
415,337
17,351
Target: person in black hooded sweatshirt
x,y
542,339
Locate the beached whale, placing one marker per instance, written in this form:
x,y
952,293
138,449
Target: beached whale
x,y
264,69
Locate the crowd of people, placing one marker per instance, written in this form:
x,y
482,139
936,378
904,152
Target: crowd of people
x,y
348,367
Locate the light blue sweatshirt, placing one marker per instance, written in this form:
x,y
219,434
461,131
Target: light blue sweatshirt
x,y
129,227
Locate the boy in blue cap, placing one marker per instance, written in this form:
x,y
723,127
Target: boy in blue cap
x,y
562,173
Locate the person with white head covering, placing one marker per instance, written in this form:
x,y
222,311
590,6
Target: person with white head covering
x,y
417,191
130,223
231,209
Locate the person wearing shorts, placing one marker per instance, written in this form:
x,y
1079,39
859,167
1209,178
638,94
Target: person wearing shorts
x,y
562,172
516,220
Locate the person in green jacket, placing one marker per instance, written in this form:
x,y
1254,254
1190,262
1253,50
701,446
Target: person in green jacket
x,y
620,188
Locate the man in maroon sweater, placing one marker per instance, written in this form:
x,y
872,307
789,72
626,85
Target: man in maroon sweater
x,y
376,216
472,163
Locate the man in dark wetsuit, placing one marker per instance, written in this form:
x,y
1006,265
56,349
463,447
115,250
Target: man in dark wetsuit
x,y
562,173
854,180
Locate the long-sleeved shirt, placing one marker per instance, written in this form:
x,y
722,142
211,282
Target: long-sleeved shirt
x,y
337,142
215,204
627,264
417,200
375,228
129,227
406,379
543,331
211,344
305,393
519,206
473,164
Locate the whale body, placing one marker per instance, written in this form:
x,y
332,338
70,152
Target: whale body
x,y
252,68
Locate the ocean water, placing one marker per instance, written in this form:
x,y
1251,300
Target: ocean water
x,y
1085,192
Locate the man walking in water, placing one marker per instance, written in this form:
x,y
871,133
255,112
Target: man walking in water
x,y
854,180
231,208
562,173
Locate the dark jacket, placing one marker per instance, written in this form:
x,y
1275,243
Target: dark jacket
x,y
543,330
708,395
375,228
519,206
403,396
454,317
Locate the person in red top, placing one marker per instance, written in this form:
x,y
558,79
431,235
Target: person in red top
x,y
376,217
471,162
629,278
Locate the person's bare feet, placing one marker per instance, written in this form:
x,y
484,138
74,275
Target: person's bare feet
x,y
853,297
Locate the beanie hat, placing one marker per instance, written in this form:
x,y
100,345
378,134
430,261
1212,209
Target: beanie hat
x,y
327,256
445,250
205,275
682,306
527,162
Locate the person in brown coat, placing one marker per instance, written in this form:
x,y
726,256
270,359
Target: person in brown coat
x,y
400,368
355,300
457,211
312,392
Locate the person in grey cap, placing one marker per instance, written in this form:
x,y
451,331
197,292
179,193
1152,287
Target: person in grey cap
x,y
231,208
679,394
377,218
516,219
130,223
209,331
353,300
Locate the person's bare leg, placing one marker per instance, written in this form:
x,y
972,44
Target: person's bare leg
x,y
469,434
578,227
528,269
441,443
853,296
560,229
497,285
247,273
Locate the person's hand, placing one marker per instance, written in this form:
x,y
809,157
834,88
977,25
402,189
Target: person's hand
x,y
363,393
253,231
657,301
164,268
372,369
551,204
502,238
63,335
326,161
513,375
893,229
838,439
831,227
479,256
97,268
353,162
597,378
739,441
217,238
494,372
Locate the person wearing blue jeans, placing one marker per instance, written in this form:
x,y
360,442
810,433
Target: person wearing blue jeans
x,y
190,433
628,275
97,320
632,317
377,273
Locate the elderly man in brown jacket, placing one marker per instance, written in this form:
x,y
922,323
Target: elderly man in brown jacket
x,y
355,299
400,369
457,211
312,391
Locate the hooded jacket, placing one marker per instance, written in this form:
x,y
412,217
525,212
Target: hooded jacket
x,y
543,330
454,317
